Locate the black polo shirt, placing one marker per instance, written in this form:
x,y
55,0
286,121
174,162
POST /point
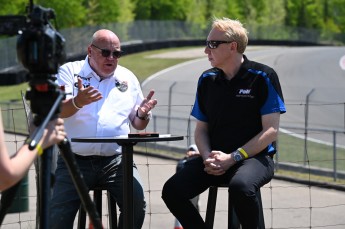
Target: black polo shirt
x,y
233,108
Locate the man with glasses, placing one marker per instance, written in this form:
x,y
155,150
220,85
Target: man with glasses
x,y
103,99
237,107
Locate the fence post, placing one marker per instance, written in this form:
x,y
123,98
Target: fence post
x,y
169,106
334,156
306,125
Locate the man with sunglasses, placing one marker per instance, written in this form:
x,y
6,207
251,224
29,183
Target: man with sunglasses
x,y
237,107
103,99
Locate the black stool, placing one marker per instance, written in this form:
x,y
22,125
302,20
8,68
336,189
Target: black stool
x,y
233,222
97,197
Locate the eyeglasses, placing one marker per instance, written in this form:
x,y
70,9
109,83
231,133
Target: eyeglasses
x,y
214,44
107,52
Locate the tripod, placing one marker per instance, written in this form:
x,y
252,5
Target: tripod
x,y
41,49
45,99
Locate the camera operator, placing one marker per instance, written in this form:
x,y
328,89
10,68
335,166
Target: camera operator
x,y
14,169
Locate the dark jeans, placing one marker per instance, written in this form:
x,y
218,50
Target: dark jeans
x,y
99,171
244,179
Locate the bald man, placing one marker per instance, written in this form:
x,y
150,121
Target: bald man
x,y
103,99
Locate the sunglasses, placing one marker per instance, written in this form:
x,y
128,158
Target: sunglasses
x,y
214,44
107,52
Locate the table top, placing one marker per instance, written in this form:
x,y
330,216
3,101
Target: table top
x,y
125,139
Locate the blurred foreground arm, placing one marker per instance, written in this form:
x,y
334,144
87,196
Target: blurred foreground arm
x,y
13,169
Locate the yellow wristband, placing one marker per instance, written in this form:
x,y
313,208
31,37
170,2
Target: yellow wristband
x,y
39,149
243,152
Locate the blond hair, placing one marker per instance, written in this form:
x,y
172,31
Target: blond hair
x,y
234,30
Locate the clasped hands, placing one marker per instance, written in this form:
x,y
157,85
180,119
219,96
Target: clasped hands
x,y
218,163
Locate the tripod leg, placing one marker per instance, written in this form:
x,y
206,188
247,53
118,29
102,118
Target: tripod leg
x,y
45,187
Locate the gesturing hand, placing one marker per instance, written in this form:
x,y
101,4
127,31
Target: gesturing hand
x,y
86,95
147,104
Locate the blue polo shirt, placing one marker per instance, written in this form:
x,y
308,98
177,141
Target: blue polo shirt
x,y
233,108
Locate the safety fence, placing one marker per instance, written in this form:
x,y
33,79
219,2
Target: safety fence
x,y
302,199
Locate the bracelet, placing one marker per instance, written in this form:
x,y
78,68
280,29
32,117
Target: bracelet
x,y
75,106
243,152
39,149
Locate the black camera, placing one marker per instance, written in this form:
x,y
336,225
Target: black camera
x,y
40,48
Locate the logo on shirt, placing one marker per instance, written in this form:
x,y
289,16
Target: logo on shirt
x,y
244,93
85,81
122,86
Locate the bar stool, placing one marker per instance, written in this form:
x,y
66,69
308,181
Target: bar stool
x,y
233,222
97,197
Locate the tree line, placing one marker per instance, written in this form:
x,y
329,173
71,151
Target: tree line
x,y
323,15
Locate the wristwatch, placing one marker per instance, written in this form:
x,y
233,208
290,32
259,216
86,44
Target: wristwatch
x,y
237,156
146,117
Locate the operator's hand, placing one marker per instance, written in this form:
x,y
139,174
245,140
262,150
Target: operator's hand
x,y
217,163
147,104
53,133
87,95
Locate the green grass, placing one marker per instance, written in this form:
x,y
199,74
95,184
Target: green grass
x,y
310,177
291,149
143,67
10,93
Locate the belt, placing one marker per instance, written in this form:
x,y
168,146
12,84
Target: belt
x,y
91,157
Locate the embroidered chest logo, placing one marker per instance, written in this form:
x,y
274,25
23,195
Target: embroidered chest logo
x,y
122,86
244,93
86,81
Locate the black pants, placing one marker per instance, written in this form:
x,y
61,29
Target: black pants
x,y
244,179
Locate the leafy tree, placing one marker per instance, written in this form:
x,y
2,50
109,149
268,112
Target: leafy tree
x,y
142,10
276,13
326,15
253,11
216,8
334,15
197,16
126,14
13,7
161,9
304,13
69,13
102,11
233,9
